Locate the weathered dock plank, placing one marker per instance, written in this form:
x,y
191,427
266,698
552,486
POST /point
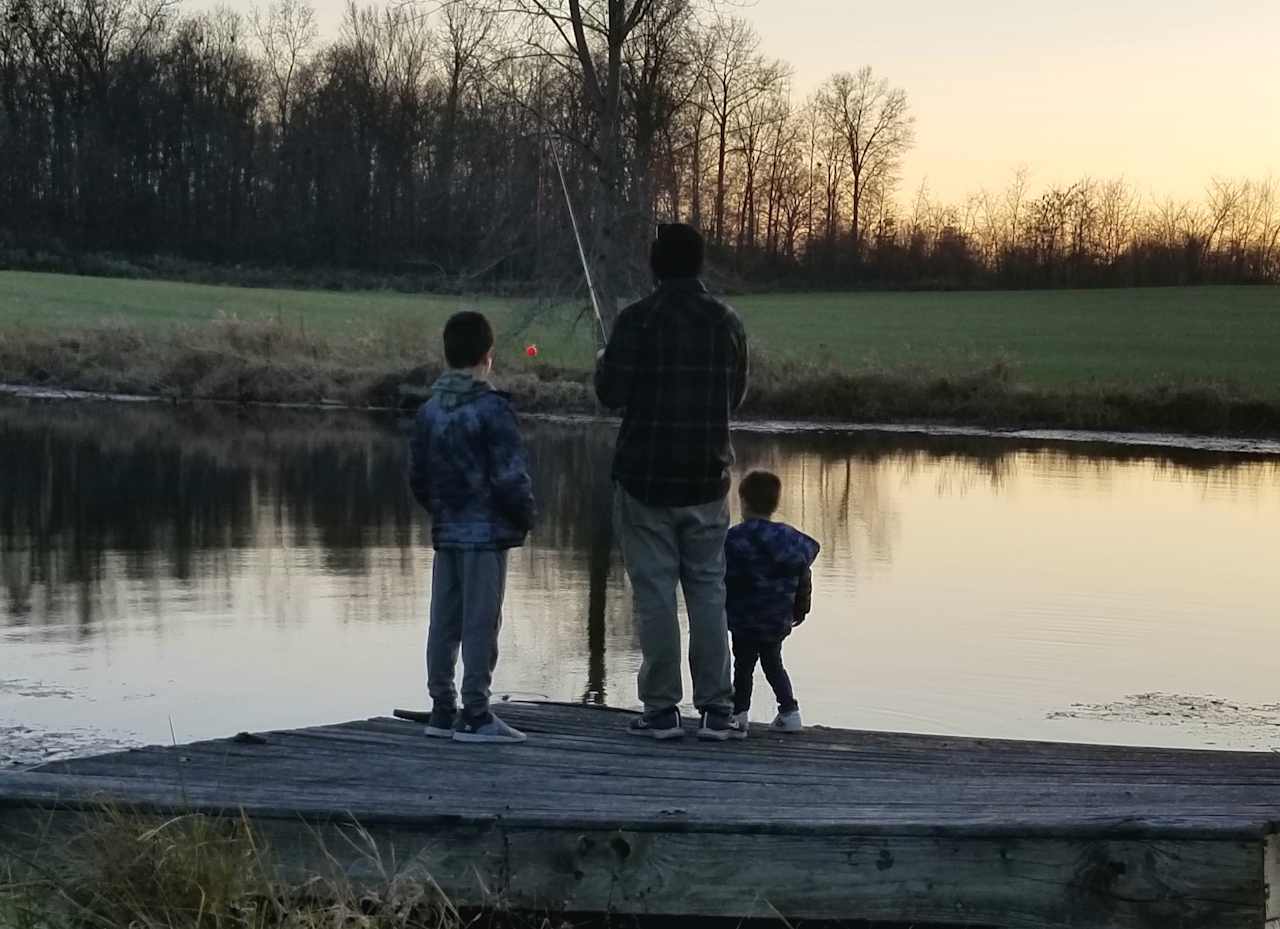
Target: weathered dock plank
x,y
1272,881
827,824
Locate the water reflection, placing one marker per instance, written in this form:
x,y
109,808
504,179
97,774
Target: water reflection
x,y
241,568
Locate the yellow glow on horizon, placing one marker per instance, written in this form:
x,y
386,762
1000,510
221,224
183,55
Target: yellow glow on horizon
x,y
1165,93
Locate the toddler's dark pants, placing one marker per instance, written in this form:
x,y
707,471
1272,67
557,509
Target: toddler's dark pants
x,y
747,652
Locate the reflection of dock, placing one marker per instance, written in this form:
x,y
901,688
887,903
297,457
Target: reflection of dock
x,y
828,823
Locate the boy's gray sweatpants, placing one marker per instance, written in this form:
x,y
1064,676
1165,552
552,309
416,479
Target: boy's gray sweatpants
x,y
663,547
467,588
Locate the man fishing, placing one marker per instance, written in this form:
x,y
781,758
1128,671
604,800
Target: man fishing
x,y
676,366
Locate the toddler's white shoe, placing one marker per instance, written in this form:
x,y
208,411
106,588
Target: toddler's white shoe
x,y
788,722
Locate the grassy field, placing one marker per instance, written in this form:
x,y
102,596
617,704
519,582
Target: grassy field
x,y
1126,343
64,300
1049,338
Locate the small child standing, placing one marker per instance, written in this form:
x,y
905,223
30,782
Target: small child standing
x,y
770,591
469,469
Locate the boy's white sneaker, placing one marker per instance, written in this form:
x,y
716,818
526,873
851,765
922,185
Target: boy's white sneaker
x,y
788,722
743,719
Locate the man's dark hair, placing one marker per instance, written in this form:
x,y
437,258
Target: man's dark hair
x,y
761,491
467,339
677,252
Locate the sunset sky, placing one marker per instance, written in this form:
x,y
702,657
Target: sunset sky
x,y
1166,93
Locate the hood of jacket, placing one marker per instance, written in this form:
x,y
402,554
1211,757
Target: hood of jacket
x,y
457,388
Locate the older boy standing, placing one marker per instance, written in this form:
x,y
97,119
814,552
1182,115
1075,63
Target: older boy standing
x,y
469,469
676,366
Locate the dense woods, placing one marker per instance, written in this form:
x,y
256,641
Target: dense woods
x,y
420,140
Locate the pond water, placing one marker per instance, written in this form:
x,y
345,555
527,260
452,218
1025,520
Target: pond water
x,y
182,573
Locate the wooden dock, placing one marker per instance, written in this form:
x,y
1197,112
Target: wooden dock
x,y
824,824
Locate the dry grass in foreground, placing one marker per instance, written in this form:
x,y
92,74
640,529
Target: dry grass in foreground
x,y
193,871
199,872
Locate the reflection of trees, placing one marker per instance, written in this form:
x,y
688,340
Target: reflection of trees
x,y
833,492
162,489
571,471
95,492
156,495
839,486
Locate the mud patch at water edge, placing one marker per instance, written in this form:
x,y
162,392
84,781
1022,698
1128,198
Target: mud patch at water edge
x,y
24,746
1233,723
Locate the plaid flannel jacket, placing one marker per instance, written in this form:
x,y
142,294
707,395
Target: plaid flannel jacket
x,y
676,366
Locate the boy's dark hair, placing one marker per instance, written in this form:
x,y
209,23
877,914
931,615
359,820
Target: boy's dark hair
x,y
467,339
761,491
677,251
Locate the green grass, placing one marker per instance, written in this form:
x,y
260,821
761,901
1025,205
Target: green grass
x,y
1055,339
1170,359
66,300
1051,339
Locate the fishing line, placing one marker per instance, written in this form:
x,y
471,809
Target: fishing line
x,y
577,237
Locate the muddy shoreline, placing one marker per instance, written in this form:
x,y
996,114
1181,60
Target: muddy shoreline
x,y
1228,445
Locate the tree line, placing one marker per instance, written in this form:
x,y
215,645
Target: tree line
x,y
432,139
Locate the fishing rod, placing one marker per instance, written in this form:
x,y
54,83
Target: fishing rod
x,y
577,237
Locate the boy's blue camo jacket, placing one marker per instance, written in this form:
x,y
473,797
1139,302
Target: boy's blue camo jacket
x,y
766,566
469,468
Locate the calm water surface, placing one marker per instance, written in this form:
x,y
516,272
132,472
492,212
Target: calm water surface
x,y
188,573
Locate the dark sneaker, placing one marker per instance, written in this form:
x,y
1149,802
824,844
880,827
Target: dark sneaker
x,y
721,727
440,725
662,726
486,729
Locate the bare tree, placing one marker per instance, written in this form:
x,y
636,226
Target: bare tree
x,y
831,170
588,39
384,55
1268,218
1117,212
736,74
99,32
286,31
877,128
784,158
465,39
791,185
753,124
660,74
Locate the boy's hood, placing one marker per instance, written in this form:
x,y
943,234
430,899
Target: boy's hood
x,y
457,388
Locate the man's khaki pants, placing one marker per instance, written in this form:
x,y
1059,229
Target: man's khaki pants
x,y
663,547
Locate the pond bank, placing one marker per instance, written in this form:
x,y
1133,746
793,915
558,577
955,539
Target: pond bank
x,y
1217,445
265,362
